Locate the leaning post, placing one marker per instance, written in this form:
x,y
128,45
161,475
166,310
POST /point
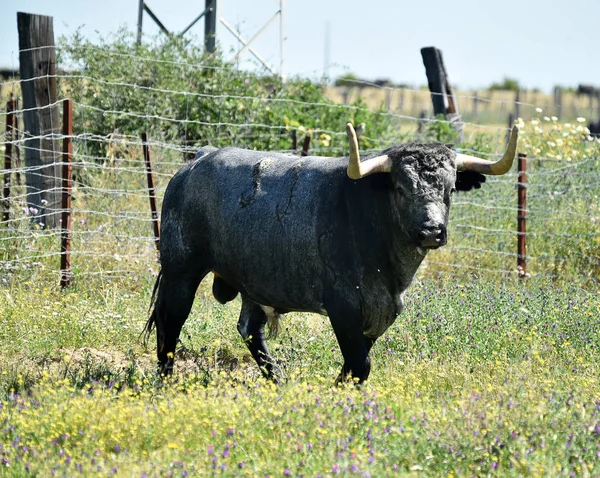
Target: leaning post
x,y
11,124
522,216
67,174
151,190
442,94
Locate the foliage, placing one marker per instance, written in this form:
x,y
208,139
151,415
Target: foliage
x,y
171,89
347,79
548,138
440,130
507,84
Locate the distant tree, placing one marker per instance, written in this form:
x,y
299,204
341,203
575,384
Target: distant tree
x,y
508,84
347,79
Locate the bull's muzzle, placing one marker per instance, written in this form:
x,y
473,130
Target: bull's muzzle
x,y
432,237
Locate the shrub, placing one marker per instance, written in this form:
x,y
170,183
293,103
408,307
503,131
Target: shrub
x,y
172,89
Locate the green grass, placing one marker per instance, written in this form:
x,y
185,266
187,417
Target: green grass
x,y
473,378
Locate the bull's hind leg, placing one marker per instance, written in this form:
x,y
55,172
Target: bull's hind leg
x,y
173,304
251,326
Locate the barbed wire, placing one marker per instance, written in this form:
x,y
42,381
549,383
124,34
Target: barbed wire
x,y
112,222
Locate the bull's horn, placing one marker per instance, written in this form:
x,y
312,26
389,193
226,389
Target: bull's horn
x,y
464,162
356,169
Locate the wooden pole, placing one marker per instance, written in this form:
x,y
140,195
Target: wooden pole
x,y
294,140
522,216
442,94
558,101
151,190
11,126
511,123
305,145
475,106
41,116
67,172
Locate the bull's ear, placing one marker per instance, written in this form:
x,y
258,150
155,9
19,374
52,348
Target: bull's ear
x,y
467,180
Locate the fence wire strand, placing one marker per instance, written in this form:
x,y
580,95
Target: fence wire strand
x,y
112,224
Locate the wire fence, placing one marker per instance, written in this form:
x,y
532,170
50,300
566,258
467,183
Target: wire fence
x,y
112,225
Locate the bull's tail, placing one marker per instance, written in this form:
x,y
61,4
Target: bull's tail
x,y
152,320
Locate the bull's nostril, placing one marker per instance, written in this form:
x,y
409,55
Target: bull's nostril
x,y
442,236
432,237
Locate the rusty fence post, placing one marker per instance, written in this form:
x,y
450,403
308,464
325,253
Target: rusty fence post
x,y
294,140
9,137
522,216
151,190
67,175
305,145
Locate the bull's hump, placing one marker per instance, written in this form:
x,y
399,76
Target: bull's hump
x,y
275,162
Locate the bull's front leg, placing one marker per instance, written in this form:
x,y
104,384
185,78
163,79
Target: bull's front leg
x,y
347,323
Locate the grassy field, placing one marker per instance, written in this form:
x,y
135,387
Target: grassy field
x,y
482,374
474,378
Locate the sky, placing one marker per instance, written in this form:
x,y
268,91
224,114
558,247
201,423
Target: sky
x,y
541,43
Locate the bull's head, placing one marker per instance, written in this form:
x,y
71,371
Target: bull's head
x,y
423,177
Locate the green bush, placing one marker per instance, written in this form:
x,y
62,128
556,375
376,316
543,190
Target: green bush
x,y
170,88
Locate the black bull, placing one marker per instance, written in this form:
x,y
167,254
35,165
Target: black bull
x,y
297,234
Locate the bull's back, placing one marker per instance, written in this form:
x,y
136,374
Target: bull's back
x,y
264,217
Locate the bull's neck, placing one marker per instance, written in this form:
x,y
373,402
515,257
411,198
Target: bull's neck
x,y
403,256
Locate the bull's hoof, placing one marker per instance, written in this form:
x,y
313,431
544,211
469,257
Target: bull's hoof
x,y
165,368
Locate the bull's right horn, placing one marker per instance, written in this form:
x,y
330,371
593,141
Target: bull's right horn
x,y
358,170
464,162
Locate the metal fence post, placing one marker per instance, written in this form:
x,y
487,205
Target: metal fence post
x,y
151,190
67,172
522,216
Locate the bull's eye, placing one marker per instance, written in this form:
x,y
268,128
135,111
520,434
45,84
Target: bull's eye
x,y
452,191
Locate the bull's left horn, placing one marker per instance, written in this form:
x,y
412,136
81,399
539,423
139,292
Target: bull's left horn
x,y
464,162
358,170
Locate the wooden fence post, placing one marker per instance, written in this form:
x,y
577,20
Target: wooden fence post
x,y
475,106
11,126
294,140
522,216
442,94
67,172
558,101
41,116
151,190
305,145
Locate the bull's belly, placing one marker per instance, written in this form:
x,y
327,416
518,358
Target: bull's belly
x,y
284,287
